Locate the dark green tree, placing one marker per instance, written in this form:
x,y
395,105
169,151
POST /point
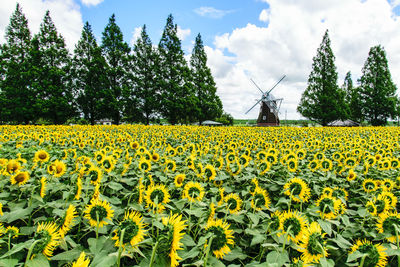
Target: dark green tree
x,y
17,97
377,90
352,99
209,105
144,99
51,74
178,100
89,77
116,53
323,101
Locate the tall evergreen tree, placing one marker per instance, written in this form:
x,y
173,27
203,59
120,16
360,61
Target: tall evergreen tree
x,y
17,97
178,100
322,101
51,75
209,104
352,99
116,53
89,76
145,94
377,90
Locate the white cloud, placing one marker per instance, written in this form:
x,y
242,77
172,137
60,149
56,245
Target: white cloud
x,y
264,15
211,12
64,13
135,35
182,33
91,2
289,43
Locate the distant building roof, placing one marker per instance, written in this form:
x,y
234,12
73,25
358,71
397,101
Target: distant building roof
x,y
209,123
345,123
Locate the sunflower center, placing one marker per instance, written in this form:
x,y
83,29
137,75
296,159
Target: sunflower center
x,y
369,185
157,195
295,188
20,178
338,193
294,224
99,157
219,240
208,173
42,156
314,246
131,230
372,257
144,165
101,211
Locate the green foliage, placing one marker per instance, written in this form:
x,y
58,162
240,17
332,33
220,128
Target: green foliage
x,y
178,100
89,76
226,119
17,97
50,70
116,53
377,90
144,99
352,99
209,105
323,101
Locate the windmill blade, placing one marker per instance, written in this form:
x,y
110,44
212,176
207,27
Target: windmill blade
x,y
276,84
253,106
257,86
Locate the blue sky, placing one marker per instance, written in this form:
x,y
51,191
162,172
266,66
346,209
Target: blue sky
x,y
244,39
222,16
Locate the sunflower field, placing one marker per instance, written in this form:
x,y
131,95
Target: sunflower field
x,y
199,196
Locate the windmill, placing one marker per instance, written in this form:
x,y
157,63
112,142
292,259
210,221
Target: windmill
x,y
269,108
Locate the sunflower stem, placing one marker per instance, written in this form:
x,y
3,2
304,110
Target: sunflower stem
x,y
362,260
121,240
153,254
286,237
28,256
97,225
397,241
9,243
208,251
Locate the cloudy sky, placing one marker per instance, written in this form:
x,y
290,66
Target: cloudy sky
x,y
245,39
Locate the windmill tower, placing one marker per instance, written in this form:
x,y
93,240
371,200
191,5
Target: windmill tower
x,y
269,107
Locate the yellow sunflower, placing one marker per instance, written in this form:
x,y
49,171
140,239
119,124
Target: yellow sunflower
x,y
378,205
369,185
11,231
260,199
209,172
351,176
156,196
263,167
78,188
233,202
13,166
134,229
1,209
179,178
97,212
68,220
57,168
275,222
193,191
20,178
387,184
108,163
328,206
144,165
312,244
48,237
99,156
297,190
222,241
95,174
375,254
174,232
41,156
293,224
43,184
220,196
387,223
82,261
170,166
390,197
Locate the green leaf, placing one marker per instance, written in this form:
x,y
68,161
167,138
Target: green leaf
x,y
326,263
8,262
236,253
355,255
190,254
68,255
187,240
17,248
38,261
254,218
275,257
257,239
18,214
326,226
